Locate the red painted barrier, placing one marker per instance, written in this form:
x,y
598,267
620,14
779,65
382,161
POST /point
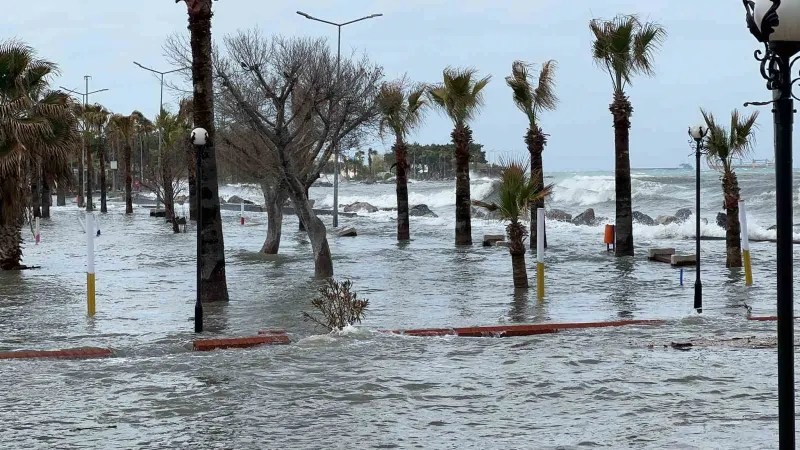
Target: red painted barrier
x,y
202,345
520,330
69,353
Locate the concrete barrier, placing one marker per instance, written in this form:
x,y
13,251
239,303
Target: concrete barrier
x,y
69,353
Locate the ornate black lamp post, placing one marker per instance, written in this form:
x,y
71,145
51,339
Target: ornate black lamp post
x,y
199,136
698,133
776,23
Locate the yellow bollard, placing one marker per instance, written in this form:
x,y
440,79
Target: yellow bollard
x,y
748,271
90,293
540,253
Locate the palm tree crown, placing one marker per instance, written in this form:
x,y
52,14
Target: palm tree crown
x,y
624,46
516,193
725,144
460,95
401,110
529,99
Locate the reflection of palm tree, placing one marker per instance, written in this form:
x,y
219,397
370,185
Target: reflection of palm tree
x,y
460,96
517,192
723,146
624,47
37,128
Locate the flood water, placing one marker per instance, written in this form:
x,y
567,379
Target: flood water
x,y
365,389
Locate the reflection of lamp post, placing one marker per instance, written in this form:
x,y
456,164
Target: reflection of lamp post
x,y
336,143
199,136
698,133
774,23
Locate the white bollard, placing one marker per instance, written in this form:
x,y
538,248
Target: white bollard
x,y
90,291
748,271
540,252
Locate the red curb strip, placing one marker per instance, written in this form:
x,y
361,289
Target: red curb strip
x,y
69,353
520,330
202,345
766,318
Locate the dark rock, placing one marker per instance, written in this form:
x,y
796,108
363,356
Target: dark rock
x,y
643,218
722,220
774,227
585,218
666,220
558,215
239,200
388,209
158,213
360,206
682,215
348,232
323,184
421,211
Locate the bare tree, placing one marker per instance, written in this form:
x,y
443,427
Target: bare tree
x,y
290,95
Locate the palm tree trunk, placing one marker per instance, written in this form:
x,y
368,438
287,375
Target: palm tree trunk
x,y
36,189
214,284
128,178
10,241
81,168
102,157
622,109
733,240
401,171
47,198
516,247
89,178
462,137
535,141
274,198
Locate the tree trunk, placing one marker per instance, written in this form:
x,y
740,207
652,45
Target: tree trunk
x,y
47,198
36,190
102,157
462,138
89,177
401,172
317,234
80,181
128,178
10,242
274,198
61,195
622,109
516,247
301,226
212,252
733,240
536,140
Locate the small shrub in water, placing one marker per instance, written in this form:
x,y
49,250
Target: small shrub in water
x,y
338,306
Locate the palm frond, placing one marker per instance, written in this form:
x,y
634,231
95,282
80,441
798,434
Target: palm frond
x,y
460,95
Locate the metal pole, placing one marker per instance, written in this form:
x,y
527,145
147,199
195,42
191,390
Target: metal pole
x,y
698,286
198,305
85,145
158,175
783,117
336,143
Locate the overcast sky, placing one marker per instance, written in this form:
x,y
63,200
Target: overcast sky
x,y
706,61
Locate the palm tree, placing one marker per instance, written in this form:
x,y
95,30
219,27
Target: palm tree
x,y
401,110
623,47
214,286
126,126
37,128
97,117
533,101
460,96
518,192
723,145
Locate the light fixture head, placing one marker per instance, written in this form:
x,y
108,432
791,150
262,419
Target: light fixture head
x,y
199,136
698,132
774,20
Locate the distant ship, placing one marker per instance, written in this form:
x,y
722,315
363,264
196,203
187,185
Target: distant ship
x,y
686,166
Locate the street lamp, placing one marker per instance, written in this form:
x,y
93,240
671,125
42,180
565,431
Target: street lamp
x,y
338,74
698,133
774,23
160,108
199,136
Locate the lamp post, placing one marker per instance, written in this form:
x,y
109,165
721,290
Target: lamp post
x,y
338,74
160,108
199,136
697,133
774,23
